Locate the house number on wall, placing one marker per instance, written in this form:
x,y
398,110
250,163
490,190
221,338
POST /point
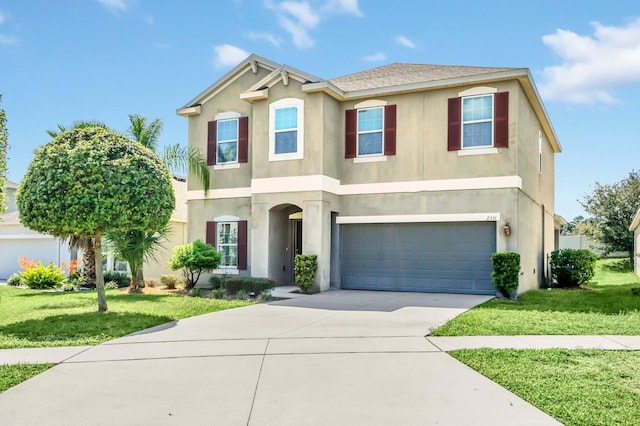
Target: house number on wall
x,y
492,218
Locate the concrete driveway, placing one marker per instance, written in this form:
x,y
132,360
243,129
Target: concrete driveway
x,y
336,358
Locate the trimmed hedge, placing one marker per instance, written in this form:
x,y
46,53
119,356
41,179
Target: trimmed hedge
x,y
248,284
506,269
304,268
573,268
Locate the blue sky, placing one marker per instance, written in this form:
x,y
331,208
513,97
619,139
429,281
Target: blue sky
x,y
102,60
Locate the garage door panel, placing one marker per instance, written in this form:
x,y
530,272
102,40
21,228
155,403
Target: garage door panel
x,y
440,257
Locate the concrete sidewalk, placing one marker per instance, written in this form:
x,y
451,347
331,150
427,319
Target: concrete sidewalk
x,y
354,344
338,358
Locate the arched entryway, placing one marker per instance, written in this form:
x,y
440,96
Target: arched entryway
x,y
285,241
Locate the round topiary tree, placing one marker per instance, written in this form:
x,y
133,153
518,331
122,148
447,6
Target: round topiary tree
x,y
92,180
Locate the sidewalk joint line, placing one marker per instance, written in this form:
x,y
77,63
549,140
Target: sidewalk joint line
x,y
255,391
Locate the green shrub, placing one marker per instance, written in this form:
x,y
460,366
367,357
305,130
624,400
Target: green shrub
x,y
195,292
194,259
218,293
40,276
121,278
241,294
248,284
14,280
265,295
506,270
69,286
169,281
150,282
111,285
218,281
304,268
572,268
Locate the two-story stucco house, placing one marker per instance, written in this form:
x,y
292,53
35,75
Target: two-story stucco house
x,y
403,177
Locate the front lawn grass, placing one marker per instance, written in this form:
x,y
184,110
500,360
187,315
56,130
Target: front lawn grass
x,y
33,318
577,387
11,375
609,308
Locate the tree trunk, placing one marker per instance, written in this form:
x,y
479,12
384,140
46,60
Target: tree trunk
x,y
88,264
631,262
137,279
102,298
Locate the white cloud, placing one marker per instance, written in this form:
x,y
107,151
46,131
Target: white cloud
x,y
593,66
403,41
228,56
299,18
150,20
376,57
161,45
264,36
3,17
114,5
349,7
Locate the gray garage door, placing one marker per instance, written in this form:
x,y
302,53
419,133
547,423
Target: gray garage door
x,y
425,257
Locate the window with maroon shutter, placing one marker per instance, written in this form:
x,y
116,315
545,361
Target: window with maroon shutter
x,y
501,120
454,130
242,245
390,130
230,240
212,137
210,235
351,133
243,139
370,131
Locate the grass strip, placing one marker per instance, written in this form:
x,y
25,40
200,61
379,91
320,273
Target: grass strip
x,y
32,318
11,375
577,387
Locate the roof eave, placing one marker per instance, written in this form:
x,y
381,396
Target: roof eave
x,y
250,63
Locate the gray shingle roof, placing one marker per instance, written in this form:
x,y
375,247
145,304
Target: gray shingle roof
x,y
400,74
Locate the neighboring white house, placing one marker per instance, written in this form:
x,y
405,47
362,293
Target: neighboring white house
x,y
635,227
18,241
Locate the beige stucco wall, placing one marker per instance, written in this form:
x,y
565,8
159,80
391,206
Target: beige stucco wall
x,y
636,239
421,155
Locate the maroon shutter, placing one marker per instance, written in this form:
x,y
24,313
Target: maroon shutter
x,y
211,234
242,245
350,134
501,120
212,139
243,139
454,123
390,130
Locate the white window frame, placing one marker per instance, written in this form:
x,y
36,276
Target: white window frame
x,y
218,141
219,245
358,132
286,103
491,120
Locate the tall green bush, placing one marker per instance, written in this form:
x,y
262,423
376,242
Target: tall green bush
x,y
573,268
304,268
506,268
194,259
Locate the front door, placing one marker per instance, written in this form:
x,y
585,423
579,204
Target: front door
x,y
296,243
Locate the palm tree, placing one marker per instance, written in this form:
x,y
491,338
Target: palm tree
x,y
136,246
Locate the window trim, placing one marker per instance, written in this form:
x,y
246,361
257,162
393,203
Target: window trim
x,y
219,245
280,104
540,151
358,132
491,120
237,139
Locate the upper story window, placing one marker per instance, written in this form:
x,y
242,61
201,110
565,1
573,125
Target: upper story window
x,y
370,138
478,121
227,141
370,130
286,129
